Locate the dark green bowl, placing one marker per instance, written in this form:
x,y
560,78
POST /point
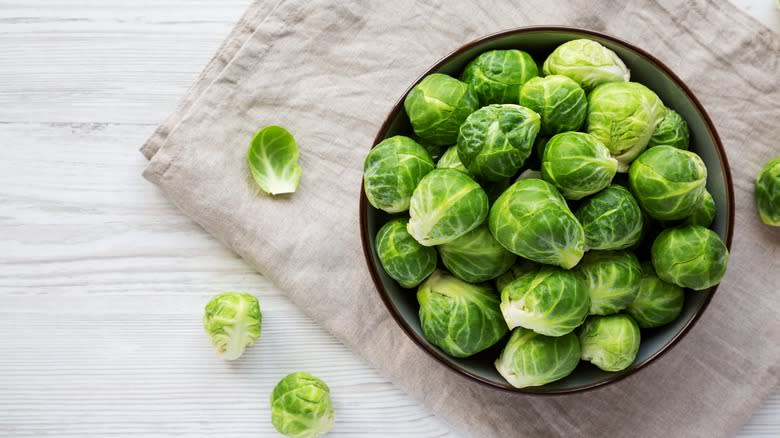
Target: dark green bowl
x,y
645,68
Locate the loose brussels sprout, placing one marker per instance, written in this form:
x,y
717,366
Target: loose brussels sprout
x,y
658,302
498,74
392,170
559,101
704,213
402,257
547,300
690,256
668,182
623,116
301,406
532,220
612,279
476,256
610,342
767,193
531,359
523,266
577,164
437,106
495,140
460,318
446,205
672,131
233,321
450,160
611,219
273,160
587,62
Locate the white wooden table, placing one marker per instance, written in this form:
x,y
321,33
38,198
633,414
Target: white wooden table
x,y
102,281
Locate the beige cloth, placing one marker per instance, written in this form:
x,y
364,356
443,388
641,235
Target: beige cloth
x,y
330,71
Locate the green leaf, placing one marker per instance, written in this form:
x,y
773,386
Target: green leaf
x,y
273,160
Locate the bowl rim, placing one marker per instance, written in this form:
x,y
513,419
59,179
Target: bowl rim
x,y
542,390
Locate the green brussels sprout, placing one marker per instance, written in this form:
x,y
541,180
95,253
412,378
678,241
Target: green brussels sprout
x,y
577,164
392,170
623,116
668,182
690,256
767,193
612,279
446,205
450,160
558,100
460,318
402,257
476,256
233,321
658,302
587,62
672,131
273,160
610,342
531,359
497,75
495,140
531,219
523,266
704,213
611,219
437,106
301,406
547,300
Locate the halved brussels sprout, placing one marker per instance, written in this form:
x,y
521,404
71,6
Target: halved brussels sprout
x,y
450,160
498,74
611,219
437,106
402,257
672,131
658,302
767,193
612,279
577,164
587,62
610,342
392,170
690,256
704,213
301,406
559,101
531,359
476,256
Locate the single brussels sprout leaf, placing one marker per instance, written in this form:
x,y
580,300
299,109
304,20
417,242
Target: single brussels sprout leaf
x,y
301,406
531,219
450,160
233,322
273,160
611,219
612,280
558,100
623,116
531,359
610,342
402,257
437,106
690,256
672,131
497,75
476,256
495,140
547,300
668,182
521,267
446,205
658,302
460,318
704,213
587,62
577,164
392,170
767,193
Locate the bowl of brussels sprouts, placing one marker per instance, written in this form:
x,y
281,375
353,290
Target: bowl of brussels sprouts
x,y
547,210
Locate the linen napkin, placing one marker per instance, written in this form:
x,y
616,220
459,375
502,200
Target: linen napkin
x,y
330,71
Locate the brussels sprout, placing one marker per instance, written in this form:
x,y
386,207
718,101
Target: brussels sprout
x,y
402,257
495,140
460,318
704,213
521,267
233,321
690,256
767,193
446,205
531,359
611,219
547,300
610,342
392,170
587,62
559,101
658,302
672,131
531,219
476,256
623,116
498,74
668,182
437,106
612,279
450,160
301,406
577,164
273,160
